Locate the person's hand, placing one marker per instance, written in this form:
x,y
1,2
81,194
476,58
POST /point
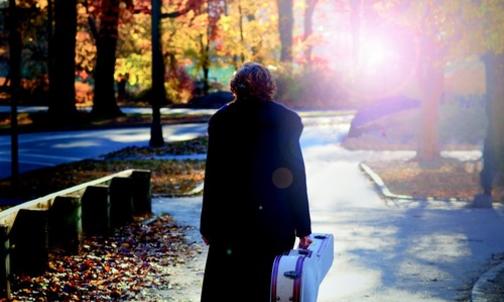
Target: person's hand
x,y
205,240
304,242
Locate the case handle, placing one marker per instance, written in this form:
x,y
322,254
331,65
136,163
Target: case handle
x,y
291,274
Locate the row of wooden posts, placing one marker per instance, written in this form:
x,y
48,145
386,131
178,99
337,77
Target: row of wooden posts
x,y
59,220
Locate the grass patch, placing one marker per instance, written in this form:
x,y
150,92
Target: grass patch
x,y
168,177
451,179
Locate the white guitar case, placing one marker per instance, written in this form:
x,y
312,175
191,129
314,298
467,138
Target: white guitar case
x,y
296,276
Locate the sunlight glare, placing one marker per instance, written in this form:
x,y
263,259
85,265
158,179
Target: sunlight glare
x,y
374,54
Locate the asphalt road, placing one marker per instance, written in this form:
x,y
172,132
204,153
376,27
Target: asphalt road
x,y
125,110
43,149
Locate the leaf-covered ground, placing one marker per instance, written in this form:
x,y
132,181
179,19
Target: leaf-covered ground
x,y
194,146
135,263
130,265
451,179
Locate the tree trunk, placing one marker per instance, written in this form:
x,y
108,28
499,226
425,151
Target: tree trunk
x,y
104,102
355,21
497,107
285,27
206,85
62,104
489,170
308,28
493,152
240,26
432,86
205,62
205,52
158,94
15,81
50,38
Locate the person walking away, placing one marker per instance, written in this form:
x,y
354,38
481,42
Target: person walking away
x,y
255,200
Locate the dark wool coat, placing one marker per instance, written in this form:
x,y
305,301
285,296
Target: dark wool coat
x,y
255,200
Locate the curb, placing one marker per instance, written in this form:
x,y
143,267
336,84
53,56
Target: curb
x,y
197,190
385,192
481,291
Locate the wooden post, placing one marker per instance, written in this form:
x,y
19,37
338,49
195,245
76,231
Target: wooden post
x,y
141,192
96,210
121,201
65,225
29,241
5,290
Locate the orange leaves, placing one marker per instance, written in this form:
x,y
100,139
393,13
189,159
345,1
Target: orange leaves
x,y
131,265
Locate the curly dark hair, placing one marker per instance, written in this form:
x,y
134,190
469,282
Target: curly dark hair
x,y
253,81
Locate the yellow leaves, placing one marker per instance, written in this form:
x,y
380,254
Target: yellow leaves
x,y
82,36
41,4
225,23
249,31
138,66
81,10
85,50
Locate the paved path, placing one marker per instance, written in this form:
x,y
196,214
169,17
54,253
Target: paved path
x,y
403,251
43,149
126,110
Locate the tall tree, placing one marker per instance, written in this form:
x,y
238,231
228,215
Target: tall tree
x,y
494,114
308,28
205,61
454,30
242,37
431,82
490,36
285,28
214,10
15,82
62,86
158,92
50,39
495,92
104,102
432,24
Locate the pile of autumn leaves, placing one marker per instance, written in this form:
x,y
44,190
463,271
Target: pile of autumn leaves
x,y
126,265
